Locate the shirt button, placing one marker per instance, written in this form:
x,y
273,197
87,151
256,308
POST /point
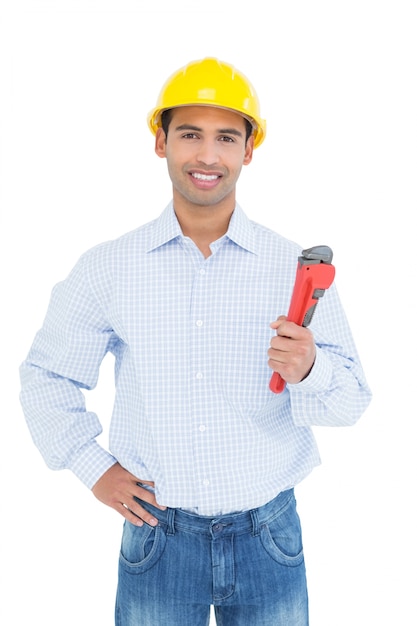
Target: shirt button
x,y
206,482
199,323
199,375
202,272
201,428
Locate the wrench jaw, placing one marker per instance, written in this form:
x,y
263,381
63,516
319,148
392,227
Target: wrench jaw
x,y
316,254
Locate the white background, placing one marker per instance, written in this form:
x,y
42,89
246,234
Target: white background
x,y
337,84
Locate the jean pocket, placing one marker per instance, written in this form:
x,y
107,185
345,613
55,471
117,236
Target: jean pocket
x,y
141,548
281,537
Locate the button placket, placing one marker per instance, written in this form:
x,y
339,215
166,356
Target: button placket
x,y
198,372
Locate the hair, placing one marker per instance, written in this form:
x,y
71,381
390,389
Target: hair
x,y
166,117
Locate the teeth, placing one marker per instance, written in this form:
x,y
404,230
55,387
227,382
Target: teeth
x,y
204,176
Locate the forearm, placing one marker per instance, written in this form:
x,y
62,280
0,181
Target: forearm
x,y
62,429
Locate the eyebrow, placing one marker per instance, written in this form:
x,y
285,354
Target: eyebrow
x,y
221,131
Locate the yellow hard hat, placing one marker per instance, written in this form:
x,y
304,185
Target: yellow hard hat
x,y
210,82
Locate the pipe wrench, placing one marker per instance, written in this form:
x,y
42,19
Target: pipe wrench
x,y
315,273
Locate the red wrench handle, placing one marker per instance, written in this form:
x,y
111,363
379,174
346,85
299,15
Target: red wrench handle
x,y
314,275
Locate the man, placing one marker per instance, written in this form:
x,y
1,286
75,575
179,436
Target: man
x,y
203,457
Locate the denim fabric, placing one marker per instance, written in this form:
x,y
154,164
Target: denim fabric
x,y
249,565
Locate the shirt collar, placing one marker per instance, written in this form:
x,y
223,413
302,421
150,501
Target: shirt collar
x,y
241,231
167,228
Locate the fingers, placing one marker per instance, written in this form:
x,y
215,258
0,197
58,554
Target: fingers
x,y
136,514
278,322
145,494
292,351
140,514
120,490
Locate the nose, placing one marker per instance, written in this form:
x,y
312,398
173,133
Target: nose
x,y
208,152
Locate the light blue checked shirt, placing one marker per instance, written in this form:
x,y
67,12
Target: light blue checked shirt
x,y
193,410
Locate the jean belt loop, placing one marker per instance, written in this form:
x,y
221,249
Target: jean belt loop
x,y
170,521
255,522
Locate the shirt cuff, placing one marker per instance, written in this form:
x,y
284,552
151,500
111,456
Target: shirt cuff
x,y
91,462
319,378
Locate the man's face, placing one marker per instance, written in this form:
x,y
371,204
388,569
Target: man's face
x,y
205,149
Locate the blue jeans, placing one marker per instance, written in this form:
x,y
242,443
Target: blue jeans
x,y
249,565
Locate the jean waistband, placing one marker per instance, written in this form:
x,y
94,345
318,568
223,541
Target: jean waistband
x,y
233,523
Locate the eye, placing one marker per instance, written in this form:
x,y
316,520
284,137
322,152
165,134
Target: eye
x,y
189,136
227,139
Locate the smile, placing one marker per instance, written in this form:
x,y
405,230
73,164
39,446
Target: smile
x,y
204,176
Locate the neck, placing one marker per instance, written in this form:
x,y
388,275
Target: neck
x,y
204,224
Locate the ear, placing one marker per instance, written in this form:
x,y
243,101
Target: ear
x,y
160,143
248,151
